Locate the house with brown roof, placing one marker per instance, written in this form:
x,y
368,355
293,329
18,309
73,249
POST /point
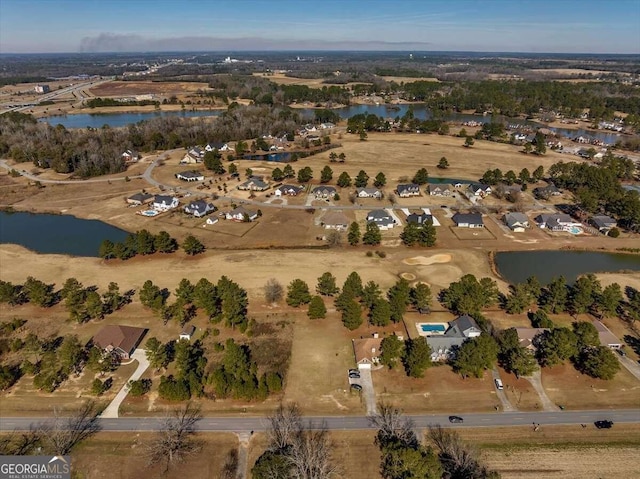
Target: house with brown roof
x,y
526,335
367,352
335,220
121,340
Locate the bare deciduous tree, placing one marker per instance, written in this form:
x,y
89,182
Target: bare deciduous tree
x,y
230,467
273,291
61,435
334,239
285,423
175,440
458,459
19,443
392,424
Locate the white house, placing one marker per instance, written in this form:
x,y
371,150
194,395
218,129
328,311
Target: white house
x,y
479,191
367,352
335,220
369,193
187,332
324,192
288,190
165,203
194,155
517,222
130,156
469,220
557,222
439,190
199,208
406,190
382,219
240,214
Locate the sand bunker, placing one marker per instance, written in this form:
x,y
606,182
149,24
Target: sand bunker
x,y
413,285
408,276
426,261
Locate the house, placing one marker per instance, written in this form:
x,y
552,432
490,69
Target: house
x,y
335,220
526,335
367,352
241,214
211,220
199,208
41,89
382,219
164,203
187,332
255,183
190,176
439,190
324,192
139,199
288,190
217,146
545,192
479,190
607,338
194,155
121,340
468,220
420,219
459,330
516,222
327,126
130,156
603,222
369,193
556,222
407,190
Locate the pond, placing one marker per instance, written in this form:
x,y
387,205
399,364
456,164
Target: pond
x,y
56,234
277,157
517,266
114,120
449,181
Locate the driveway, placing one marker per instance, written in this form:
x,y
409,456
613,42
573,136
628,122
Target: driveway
x,y
112,409
630,365
506,404
368,393
536,381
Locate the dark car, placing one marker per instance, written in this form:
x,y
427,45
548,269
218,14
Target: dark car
x,y
354,375
355,371
603,424
455,419
356,387
621,352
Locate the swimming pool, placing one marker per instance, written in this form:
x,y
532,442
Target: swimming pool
x,y
575,230
433,328
149,213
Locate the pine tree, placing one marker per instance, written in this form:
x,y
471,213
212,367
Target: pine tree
x,y
317,309
298,293
354,234
327,285
372,235
352,315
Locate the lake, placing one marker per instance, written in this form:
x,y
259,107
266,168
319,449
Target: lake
x,y
56,234
114,120
98,120
517,266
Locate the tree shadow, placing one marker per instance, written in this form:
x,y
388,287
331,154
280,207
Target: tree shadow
x,y
632,342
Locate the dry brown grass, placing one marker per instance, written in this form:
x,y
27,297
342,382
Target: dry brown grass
x,y
122,88
122,455
435,391
573,390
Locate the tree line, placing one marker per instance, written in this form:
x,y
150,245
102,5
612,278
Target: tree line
x,y
144,243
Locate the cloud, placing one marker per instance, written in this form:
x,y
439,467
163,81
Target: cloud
x,y
115,42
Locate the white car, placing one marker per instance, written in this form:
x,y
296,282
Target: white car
x,y
499,384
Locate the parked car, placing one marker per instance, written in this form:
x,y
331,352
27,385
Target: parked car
x,y
354,375
606,424
455,419
357,371
499,384
621,352
356,387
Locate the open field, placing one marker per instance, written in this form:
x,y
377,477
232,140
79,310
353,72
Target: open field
x,y
567,387
124,88
123,456
407,79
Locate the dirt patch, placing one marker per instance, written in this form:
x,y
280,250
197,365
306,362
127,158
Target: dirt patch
x,y
427,260
119,88
408,276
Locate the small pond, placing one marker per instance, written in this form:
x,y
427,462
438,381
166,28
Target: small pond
x,y
56,234
517,266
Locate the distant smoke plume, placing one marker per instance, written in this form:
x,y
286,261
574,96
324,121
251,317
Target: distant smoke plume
x,y
114,42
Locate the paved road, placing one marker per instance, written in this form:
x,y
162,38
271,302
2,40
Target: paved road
x,y
536,381
630,365
502,395
236,424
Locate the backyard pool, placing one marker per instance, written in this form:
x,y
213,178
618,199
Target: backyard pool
x,y
575,230
430,329
149,213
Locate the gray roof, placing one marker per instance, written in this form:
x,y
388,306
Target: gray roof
x,y
554,219
411,187
468,218
165,199
379,214
420,219
603,221
479,187
439,187
328,190
256,181
462,323
199,206
369,191
190,174
142,197
241,210
513,218
295,188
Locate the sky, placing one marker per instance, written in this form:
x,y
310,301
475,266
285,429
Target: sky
x,y
543,26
